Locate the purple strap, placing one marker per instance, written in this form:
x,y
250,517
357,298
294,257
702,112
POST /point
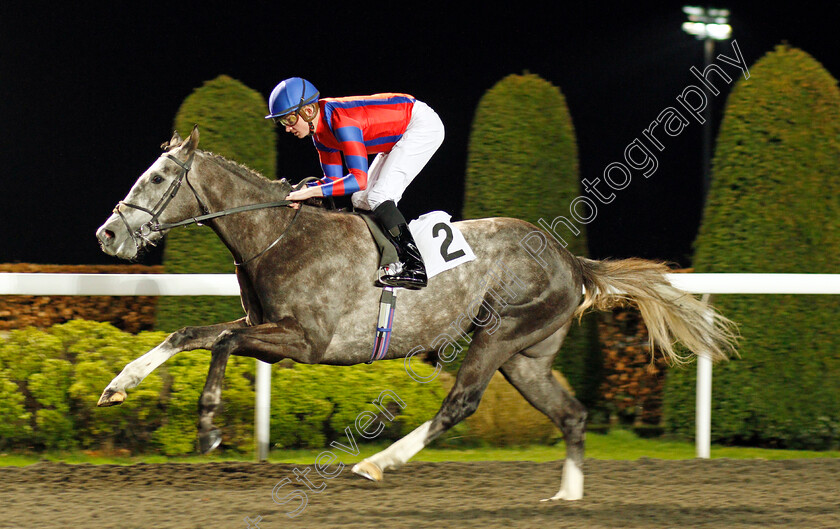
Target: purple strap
x,y
387,307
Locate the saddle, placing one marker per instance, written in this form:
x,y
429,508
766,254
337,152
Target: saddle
x,y
387,250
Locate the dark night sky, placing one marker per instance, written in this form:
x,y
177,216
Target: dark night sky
x,y
89,90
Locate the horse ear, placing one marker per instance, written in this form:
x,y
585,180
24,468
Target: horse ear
x,y
174,142
190,145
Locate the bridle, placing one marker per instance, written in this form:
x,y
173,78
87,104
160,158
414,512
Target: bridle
x,y
141,235
145,230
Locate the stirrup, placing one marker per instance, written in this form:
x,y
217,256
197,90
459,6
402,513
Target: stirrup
x,y
390,271
401,279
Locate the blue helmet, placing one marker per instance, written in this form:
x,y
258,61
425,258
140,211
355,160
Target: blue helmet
x,y
290,96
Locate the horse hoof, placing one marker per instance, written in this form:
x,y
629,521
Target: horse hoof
x,y
111,397
564,496
207,442
368,470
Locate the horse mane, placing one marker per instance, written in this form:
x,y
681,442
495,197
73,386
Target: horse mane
x,y
236,168
246,173
242,171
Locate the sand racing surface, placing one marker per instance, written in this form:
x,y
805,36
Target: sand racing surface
x,y
718,493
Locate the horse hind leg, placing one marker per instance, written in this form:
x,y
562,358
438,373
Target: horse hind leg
x,y
481,362
530,373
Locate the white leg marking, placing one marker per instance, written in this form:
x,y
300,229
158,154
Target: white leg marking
x,y
134,373
398,453
571,487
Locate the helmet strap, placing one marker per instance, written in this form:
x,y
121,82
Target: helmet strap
x,y
302,113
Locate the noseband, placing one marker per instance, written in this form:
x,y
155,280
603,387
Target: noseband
x,y
141,235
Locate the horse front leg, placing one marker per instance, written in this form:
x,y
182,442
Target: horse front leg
x,y
186,339
270,342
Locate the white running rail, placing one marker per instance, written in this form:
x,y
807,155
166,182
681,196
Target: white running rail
x,y
226,285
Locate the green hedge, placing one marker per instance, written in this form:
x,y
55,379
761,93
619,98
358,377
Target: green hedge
x,y
505,418
50,381
231,120
523,163
522,160
313,404
774,207
59,375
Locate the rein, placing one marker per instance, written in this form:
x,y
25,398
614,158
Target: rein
x,y
145,230
270,246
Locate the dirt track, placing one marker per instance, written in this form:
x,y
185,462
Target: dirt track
x,y
647,493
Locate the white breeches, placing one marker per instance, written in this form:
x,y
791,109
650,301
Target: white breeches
x,y
391,173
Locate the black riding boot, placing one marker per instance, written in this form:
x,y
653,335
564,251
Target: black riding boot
x,y
410,272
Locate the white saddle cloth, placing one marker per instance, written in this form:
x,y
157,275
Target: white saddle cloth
x,y
441,244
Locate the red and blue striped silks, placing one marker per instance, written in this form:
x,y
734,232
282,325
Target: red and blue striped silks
x,y
352,128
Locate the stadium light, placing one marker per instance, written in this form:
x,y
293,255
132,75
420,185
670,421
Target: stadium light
x,y
707,24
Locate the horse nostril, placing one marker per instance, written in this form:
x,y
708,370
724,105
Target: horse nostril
x,y
105,236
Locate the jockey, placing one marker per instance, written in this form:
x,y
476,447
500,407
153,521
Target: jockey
x,y
403,132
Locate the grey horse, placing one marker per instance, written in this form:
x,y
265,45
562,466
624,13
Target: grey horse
x,y
306,276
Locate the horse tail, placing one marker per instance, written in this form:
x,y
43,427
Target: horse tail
x,y
670,314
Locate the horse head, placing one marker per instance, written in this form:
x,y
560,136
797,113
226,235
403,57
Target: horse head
x,y
153,201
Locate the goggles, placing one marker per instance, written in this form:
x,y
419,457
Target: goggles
x,y
289,120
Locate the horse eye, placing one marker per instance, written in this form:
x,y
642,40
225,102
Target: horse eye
x,y
157,179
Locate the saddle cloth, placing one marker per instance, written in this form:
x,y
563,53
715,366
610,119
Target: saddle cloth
x,y
441,244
